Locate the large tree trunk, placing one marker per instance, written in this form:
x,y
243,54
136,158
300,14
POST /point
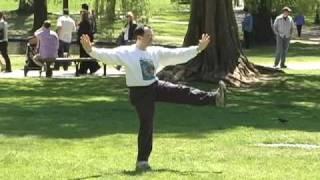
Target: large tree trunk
x,y
25,6
110,10
65,4
40,13
263,22
223,59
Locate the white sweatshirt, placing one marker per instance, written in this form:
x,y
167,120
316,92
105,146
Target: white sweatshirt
x,y
141,66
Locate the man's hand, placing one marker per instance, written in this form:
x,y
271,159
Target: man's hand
x,y
86,43
203,42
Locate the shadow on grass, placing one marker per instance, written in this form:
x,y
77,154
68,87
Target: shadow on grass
x,y
86,108
155,171
166,170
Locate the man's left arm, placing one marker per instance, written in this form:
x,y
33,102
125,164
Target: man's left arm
x,y
173,56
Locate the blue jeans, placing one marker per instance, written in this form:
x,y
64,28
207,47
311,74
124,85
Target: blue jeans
x,y
63,48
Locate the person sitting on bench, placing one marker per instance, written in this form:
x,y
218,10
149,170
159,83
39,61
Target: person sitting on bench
x,y
47,45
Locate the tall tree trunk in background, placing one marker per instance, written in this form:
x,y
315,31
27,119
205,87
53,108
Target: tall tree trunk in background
x,y
65,4
40,13
25,6
96,6
262,22
110,10
223,59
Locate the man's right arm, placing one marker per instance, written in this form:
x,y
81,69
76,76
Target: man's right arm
x,y
110,56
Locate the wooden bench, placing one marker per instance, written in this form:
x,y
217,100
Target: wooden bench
x,y
76,60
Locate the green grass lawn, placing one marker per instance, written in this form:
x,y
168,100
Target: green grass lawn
x,y
81,128
298,54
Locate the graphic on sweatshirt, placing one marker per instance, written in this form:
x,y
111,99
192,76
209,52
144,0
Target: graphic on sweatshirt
x,y
147,69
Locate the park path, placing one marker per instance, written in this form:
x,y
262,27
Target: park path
x,y
112,72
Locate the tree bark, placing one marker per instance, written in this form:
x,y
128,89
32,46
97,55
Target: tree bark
x,y
25,6
40,13
110,10
223,58
263,20
65,4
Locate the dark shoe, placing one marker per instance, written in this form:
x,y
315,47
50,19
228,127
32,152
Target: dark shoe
x,y
8,71
65,67
283,66
143,166
221,95
118,67
95,69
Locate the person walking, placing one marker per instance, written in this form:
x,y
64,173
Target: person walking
x,y
283,28
4,42
142,61
299,20
65,27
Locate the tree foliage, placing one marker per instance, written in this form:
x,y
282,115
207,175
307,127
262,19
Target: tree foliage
x,y
304,6
108,8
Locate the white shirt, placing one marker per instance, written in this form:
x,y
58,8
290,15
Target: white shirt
x,y
141,66
126,33
67,26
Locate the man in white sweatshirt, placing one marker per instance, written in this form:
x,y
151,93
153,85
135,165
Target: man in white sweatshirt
x,y
141,61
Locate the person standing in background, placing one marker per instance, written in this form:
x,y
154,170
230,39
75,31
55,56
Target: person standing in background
x,y
126,36
283,29
247,26
86,28
299,20
4,42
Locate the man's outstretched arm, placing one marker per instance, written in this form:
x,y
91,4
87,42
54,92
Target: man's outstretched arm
x,y
110,56
172,56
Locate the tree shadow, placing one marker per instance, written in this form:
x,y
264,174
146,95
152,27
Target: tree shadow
x,y
93,107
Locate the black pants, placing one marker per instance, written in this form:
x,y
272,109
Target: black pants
x,y
299,28
4,53
144,98
247,39
93,66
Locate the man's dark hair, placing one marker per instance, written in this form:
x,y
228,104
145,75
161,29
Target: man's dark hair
x,y
85,6
139,31
46,24
245,9
66,11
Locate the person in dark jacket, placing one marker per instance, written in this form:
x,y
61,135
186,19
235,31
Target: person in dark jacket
x,y
126,36
86,28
